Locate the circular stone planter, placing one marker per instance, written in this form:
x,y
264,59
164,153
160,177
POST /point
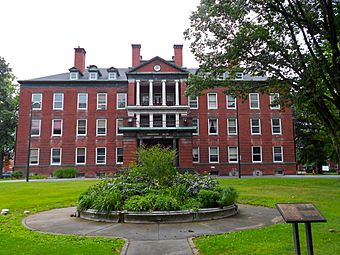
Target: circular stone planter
x,y
160,216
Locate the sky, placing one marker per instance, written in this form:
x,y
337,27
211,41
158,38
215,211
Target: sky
x,y
38,37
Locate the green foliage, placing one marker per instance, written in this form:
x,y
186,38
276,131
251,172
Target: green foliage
x,y
208,198
226,196
166,203
140,203
65,173
17,174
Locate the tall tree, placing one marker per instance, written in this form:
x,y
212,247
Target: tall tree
x,y
295,43
8,106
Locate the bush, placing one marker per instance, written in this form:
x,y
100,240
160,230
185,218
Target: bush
x,y
17,174
208,198
227,196
140,203
166,203
65,173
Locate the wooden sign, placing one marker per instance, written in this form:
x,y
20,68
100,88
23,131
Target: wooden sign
x,y
300,212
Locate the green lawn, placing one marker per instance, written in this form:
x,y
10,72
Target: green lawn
x,y
278,239
41,196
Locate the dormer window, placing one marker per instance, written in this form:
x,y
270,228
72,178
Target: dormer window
x,y
93,76
112,76
73,75
239,76
94,72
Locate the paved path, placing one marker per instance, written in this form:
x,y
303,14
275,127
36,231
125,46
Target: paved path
x,y
151,238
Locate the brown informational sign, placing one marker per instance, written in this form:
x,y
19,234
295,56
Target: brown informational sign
x,y
300,212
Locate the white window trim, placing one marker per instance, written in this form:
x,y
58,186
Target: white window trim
x,y
74,76
252,154
279,125
95,76
100,93
274,155
77,156
218,155
39,129
272,97
97,156
87,101
85,127
61,128
117,127
258,100
119,163
32,102
198,127
125,98
251,126
55,164
231,162
189,103
233,108
209,126
212,108
97,121
198,155
228,125
38,157
62,101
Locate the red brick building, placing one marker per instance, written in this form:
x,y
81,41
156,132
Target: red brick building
x,y
94,119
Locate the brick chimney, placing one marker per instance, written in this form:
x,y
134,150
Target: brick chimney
x,y
79,59
135,54
178,54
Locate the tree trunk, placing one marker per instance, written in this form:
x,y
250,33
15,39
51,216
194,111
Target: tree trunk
x,y
1,161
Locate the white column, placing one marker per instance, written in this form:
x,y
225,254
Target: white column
x,y
150,92
151,120
163,93
137,120
177,119
176,92
163,120
138,93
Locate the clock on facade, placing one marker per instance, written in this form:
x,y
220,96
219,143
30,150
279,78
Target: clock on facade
x,y
157,68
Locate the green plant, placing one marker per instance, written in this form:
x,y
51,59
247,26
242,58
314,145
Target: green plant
x,y
227,196
65,173
191,204
140,203
166,203
17,174
108,201
208,198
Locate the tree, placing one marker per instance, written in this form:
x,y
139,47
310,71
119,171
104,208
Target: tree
x,y
8,106
295,43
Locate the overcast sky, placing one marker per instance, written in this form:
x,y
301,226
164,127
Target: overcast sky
x,y
38,37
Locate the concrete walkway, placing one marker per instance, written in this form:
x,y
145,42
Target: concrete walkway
x,y
151,239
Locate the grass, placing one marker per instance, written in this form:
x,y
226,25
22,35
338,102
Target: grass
x,y
41,196
278,239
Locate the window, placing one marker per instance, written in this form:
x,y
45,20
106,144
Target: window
x,y
239,76
232,126
272,100
119,155
101,127
195,123
101,101
277,154
121,100
36,101
257,154
82,101
254,102
255,126
35,130
93,76
276,126
34,156
213,126
112,76
81,127
193,102
195,155
57,127
213,154
73,76
232,155
81,156
55,156
119,123
212,101
58,101
101,156
231,102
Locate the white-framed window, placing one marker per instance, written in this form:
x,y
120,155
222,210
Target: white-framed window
x,y
57,127
239,76
101,101
212,100
273,97
36,101
257,154
195,154
193,102
112,76
276,126
232,126
277,154
254,101
231,102
34,156
213,126
119,155
119,123
232,154
101,127
255,126
121,100
93,76
80,156
101,156
73,75
81,127
55,156
213,154
36,126
82,101
195,123
58,101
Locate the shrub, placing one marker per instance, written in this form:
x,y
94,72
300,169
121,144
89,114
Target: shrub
x,y
208,198
65,173
191,204
17,174
166,203
108,201
227,196
140,203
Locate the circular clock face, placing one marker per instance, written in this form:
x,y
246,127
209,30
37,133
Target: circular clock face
x,y
157,68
